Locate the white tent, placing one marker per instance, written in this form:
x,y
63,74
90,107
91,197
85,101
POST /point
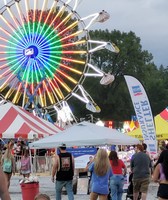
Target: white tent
x,y
85,134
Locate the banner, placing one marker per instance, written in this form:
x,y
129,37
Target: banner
x,y
81,155
143,112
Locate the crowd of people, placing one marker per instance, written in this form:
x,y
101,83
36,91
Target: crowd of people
x,y
107,173
8,163
9,158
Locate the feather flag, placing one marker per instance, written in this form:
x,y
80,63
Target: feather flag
x,y
143,112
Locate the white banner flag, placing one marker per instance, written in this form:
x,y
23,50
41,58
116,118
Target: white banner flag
x,y
143,112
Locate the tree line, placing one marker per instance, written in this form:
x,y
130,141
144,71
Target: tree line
x,y
114,99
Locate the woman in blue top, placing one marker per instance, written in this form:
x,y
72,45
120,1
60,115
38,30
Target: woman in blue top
x,y
101,173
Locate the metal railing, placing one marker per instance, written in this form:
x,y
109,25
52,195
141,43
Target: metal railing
x,y
40,164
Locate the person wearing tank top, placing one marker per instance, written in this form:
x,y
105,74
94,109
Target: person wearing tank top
x,y
62,172
160,175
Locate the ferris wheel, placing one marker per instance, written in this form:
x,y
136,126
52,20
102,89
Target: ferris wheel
x,y
46,53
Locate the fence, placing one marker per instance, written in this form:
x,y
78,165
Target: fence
x,y
40,164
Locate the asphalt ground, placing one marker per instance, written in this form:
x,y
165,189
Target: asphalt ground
x,y
47,187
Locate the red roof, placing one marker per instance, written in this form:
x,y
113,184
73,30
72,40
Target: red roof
x,y
16,122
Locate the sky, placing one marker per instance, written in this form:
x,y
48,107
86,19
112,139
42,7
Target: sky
x,y
148,19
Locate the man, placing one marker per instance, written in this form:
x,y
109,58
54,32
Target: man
x,y
145,151
140,166
63,168
4,194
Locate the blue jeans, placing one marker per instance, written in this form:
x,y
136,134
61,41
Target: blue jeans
x,y
116,186
68,186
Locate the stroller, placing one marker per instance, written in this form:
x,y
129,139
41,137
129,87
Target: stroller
x,y
129,194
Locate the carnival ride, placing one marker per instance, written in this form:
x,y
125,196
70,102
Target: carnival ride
x,y
46,55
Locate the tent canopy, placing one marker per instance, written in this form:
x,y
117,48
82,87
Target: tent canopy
x,y
16,122
161,129
85,134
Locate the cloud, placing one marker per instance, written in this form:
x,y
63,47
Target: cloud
x,y
147,18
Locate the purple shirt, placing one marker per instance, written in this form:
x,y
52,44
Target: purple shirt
x,y
162,175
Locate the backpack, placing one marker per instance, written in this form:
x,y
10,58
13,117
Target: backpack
x,y
7,165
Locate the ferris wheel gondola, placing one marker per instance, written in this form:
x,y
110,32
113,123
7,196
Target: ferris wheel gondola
x,y
46,51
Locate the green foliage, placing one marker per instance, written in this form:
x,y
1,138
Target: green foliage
x,y
114,100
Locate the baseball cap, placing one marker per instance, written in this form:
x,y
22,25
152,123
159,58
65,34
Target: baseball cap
x,y
62,145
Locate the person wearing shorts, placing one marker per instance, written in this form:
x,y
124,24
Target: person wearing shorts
x,y
162,191
141,168
141,185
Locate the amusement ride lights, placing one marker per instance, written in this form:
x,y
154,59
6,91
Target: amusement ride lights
x,y
46,52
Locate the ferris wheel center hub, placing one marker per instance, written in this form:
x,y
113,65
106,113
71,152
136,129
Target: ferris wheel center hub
x,y
31,51
46,53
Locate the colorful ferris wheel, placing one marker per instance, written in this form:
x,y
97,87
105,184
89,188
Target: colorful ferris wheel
x,y
46,52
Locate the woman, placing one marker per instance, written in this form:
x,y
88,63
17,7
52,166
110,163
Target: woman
x,y
101,172
8,163
117,180
4,193
25,164
161,175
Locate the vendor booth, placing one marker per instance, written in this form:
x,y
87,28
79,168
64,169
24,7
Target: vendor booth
x,y
85,134
16,122
161,129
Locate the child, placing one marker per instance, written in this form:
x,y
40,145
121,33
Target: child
x,y
42,197
25,164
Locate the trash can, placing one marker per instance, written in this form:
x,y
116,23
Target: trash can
x,y
29,190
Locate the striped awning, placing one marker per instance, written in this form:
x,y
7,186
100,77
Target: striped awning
x,y
16,122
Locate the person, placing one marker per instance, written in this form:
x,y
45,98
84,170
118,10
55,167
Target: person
x,y
140,167
63,168
101,173
89,174
41,196
161,175
117,180
18,148
0,156
41,159
4,194
145,151
145,148
25,169
161,156
163,144
8,163
90,160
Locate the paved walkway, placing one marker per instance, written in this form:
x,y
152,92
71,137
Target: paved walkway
x,y
46,186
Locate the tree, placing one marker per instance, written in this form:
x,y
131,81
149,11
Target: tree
x,y
114,99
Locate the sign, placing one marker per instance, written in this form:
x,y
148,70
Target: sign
x,y
143,112
81,155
